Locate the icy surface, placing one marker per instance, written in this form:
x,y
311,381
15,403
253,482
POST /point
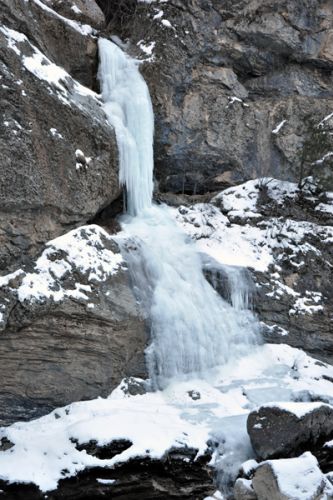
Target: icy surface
x,y
192,327
129,110
154,422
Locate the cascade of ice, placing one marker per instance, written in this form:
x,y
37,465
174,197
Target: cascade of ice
x,y
192,328
129,110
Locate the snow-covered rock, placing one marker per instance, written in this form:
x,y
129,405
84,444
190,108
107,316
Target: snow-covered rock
x,y
286,429
71,325
284,237
294,478
50,110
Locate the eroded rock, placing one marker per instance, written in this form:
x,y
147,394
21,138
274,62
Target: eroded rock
x,y
71,328
177,476
243,490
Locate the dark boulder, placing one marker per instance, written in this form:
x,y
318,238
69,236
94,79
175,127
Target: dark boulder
x,y
288,429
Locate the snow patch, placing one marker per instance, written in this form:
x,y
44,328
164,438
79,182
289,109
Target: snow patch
x,y
83,29
279,127
81,249
156,422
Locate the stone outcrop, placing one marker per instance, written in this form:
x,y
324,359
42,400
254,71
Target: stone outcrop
x,y
48,69
177,476
294,300
71,328
288,429
233,85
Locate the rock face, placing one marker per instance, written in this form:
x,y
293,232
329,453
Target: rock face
x,y
233,85
71,329
294,300
287,430
47,71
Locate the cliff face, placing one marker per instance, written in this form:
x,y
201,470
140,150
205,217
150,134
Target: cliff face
x,y
48,70
59,168
235,86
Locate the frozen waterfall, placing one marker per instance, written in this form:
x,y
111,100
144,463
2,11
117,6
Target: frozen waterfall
x,y
192,328
129,110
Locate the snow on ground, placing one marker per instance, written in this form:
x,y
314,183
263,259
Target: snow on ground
x,y
80,251
227,243
242,200
279,127
148,49
44,449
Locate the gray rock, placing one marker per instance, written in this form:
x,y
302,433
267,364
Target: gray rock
x,y
275,59
71,328
286,431
243,490
43,190
289,479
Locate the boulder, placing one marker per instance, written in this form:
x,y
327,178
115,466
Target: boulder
x,y
71,327
287,429
285,479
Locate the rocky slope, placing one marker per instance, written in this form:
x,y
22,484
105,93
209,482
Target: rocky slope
x,y
67,304
284,238
74,309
